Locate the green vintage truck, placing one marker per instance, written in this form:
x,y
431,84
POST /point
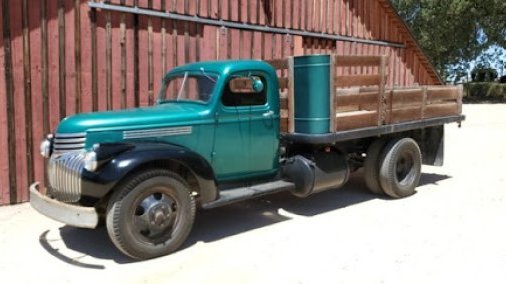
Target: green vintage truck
x,y
227,131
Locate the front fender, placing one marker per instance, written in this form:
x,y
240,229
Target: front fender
x,y
97,184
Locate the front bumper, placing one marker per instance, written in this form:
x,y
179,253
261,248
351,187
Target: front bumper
x,y
73,215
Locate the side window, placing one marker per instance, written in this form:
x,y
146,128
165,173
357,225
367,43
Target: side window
x,y
245,91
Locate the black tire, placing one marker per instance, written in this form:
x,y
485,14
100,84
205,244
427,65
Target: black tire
x,y
400,168
372,166
151,214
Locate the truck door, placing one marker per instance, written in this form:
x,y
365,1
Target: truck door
x,y
247,129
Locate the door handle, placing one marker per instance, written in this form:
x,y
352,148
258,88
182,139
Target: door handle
x,y
268,114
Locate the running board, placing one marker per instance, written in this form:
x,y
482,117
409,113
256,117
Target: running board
x,y
243,193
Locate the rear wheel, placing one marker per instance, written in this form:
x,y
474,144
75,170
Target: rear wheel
x,y
151,214
400,167
372,166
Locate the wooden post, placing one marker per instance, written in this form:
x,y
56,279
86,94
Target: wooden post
x,y
424,101
381,97
290,96
459,99
332,114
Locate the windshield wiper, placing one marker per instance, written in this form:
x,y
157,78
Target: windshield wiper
x,y
182,86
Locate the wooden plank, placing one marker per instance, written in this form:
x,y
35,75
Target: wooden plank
x,y
17,115
435,94
77,55
356,99
94,60
123,60
257,45
358,60
234,44
291,96
69,101
62,75
118,71
4,145
446,109
424,101
355,119
131,77
150,68
53,69
38,120
406,114
9,103
459,98
27,93
408,96
382,97
357,80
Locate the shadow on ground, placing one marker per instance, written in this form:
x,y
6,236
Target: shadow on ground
x,y
215,224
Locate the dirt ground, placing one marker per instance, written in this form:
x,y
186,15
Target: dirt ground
x,y
451,231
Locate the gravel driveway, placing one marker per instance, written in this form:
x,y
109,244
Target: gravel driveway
x,y
452,231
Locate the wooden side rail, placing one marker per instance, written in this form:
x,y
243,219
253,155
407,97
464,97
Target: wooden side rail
x,y
362,100
348,103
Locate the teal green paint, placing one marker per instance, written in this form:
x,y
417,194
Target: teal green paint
x,y
239,142
247,141
312,93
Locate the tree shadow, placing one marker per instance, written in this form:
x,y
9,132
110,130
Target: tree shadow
x,y
216,224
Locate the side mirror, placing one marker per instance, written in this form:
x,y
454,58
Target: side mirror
x,y
257,85
246,85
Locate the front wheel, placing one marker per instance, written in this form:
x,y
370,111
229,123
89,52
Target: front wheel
x,y
151,214
400,167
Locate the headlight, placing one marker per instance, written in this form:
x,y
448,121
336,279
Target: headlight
x,y
90,161
45,148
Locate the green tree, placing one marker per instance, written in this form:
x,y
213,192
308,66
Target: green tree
x,y
453,33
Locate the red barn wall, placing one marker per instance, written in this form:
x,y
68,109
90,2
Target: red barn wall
x,y
60,57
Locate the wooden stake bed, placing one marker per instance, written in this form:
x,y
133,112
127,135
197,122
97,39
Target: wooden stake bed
x,y
362,105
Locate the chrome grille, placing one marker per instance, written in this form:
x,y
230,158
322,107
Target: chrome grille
x,y
66,142
64,176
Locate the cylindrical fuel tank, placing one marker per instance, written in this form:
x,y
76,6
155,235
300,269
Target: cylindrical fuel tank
x,y
312,93
325,170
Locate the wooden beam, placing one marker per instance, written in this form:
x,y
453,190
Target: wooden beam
x,y
435,94
356,80
407,97
357,60
436,110
355,119
356,99
405,114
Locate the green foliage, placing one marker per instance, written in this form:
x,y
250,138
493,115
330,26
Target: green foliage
x,y
456,32
483,74
485,92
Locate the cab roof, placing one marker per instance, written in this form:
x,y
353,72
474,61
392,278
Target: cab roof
x,y
225,66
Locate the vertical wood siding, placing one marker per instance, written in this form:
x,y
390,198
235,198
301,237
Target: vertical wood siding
x,y
59,57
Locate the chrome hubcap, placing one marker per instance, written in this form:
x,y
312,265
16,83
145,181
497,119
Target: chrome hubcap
x,y
155,216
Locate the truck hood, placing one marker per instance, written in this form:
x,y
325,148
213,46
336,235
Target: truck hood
x,y
146,117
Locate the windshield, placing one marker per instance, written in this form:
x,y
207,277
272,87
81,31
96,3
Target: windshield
x,y
188,87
